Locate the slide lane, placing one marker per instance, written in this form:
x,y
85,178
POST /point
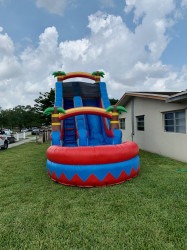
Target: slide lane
x,y
94,125
82,135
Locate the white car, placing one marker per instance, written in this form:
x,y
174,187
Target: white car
x,y
8,131
3,141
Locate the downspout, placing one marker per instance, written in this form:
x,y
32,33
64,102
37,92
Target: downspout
x,y
132,117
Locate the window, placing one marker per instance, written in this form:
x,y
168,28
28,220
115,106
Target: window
x,y
175,121
122,123
140,122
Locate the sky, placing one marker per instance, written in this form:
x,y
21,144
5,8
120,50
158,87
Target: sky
x,y
139,44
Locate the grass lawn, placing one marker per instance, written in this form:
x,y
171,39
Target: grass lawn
x,y
148,212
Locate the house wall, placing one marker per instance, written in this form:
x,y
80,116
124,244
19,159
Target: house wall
x,y
154,138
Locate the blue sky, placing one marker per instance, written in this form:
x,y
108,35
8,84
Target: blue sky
x,y
139,44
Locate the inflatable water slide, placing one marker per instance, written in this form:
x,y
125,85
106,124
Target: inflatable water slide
x,y
86,142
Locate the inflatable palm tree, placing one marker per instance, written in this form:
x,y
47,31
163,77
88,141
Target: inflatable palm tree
x,y
58,73
54,112
116,110
98,75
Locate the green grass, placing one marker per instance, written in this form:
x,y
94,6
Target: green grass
x,y
148,212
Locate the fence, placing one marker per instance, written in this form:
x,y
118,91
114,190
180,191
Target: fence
x,y
43,136
22,135
40,138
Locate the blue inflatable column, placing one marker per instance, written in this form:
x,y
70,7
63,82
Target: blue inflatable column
x,y
104,95
106,103
58,103
58,94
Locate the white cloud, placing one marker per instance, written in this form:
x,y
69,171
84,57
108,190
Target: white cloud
x,y
9,65
151,9
115,48
130,59
6,44
55,6
23,77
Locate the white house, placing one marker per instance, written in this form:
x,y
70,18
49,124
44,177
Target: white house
x,y
156,121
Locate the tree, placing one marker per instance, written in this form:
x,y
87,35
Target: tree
x,y
26,116
113,101
20,117
44,101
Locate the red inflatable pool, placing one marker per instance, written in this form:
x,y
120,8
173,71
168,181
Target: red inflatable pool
x,y
93,166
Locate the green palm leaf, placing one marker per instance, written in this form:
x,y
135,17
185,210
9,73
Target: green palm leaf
x,y
61,110
101,73
98,73
110,109
121,109
49,111
59,73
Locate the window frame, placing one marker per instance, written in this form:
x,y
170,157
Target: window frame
x,y
174,120
121,123
138,122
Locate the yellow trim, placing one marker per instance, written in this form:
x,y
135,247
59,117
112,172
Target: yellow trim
x,y
115,113
82,110
55,115
55,123
85,109
114,121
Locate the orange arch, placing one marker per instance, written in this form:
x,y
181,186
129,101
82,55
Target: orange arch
x,y
79,74
85,110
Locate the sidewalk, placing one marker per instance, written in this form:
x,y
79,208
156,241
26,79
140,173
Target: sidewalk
x,y
33,139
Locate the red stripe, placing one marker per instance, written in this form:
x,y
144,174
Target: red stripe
x,y
93,180
91,155
77,74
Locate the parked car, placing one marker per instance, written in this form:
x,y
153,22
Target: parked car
x,y
3,140
8,131
24,130
35,131
10,136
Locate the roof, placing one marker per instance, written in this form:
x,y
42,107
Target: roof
x,y
178,97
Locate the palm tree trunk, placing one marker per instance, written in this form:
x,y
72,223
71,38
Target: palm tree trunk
x,y
56,125
114,122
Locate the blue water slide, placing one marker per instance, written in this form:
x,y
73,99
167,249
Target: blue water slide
x,y
95,127
80,124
